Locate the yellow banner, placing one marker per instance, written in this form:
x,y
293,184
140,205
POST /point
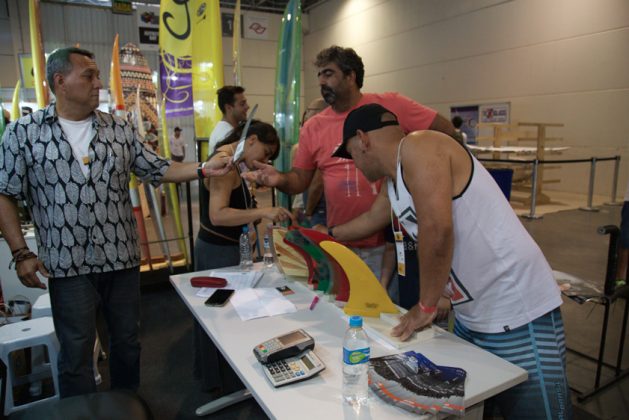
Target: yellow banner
x,y
236,46
15,106
37,53
27,71
207,66
175,34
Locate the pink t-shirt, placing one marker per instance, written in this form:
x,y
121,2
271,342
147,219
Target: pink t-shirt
x,y
348,194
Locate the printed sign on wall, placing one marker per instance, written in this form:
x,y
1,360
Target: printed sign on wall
x,y
227,24
256,27
148,27
122,7
469,115
495,113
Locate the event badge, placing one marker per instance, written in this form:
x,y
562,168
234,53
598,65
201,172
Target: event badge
x,y
399,248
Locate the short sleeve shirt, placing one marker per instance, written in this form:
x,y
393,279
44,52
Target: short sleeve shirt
x,y
83,224
220,132
348,193
177,146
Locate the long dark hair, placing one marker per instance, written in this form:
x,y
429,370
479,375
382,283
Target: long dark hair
x,y
265,132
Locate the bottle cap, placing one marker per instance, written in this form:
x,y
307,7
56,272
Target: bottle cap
x,y
355,321
245,229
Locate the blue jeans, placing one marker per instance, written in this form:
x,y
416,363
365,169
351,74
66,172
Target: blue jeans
x,y
75,302
208,256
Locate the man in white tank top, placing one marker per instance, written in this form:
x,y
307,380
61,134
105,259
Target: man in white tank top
x,y
471,247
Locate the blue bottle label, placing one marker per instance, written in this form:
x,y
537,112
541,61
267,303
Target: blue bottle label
x,y
355,357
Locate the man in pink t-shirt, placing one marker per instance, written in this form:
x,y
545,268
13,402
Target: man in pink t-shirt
x,y
347,192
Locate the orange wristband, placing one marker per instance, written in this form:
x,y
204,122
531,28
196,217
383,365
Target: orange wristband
x,y
427,309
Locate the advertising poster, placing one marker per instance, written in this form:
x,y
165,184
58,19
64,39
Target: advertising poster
x,y
148,27
256,27
469,114
495,113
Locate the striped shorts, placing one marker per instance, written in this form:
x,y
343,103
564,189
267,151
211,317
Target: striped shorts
x,y
539,348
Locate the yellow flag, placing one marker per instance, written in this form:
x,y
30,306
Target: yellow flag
x,y
207,66
15,108
37,52
175,49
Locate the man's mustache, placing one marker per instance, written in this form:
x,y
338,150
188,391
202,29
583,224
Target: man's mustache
x,y
328,94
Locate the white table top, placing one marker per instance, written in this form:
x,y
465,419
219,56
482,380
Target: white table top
x,y
320,396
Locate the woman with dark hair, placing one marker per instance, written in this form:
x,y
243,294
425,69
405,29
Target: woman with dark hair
x,y
226,206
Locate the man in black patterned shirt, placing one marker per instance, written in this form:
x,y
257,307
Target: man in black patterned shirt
x,y
72,164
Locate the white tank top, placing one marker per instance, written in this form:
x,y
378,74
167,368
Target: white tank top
x,y
499,278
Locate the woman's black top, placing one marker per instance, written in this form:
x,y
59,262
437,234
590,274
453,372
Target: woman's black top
x,y
240,198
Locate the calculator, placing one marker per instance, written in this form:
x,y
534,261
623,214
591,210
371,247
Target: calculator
x,y
293,369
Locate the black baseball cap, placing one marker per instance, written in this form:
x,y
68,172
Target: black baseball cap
x,y
177,129
366,118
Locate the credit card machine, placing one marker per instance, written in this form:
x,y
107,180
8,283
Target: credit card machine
x,y
283,346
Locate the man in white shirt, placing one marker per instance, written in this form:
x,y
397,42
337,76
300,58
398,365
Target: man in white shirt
x,y
233,104
177,146
71,163
472,248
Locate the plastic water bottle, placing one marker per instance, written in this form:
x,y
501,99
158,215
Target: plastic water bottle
x,y
246,262
355,362
268,255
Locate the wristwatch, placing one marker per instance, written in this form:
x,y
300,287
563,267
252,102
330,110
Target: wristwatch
x,y
200,172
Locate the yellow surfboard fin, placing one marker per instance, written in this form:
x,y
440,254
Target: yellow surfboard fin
x,y
367,297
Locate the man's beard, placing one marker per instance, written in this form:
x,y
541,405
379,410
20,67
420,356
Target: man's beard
x,y
328,94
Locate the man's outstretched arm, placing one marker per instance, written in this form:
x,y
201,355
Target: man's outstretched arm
x,y
370,222
294,181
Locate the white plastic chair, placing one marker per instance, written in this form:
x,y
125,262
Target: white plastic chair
x,y
27,334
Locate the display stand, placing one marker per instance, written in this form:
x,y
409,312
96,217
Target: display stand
x,y
540,139
501,133
504,134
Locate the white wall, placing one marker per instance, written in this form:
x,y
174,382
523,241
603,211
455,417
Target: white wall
x,y
560,61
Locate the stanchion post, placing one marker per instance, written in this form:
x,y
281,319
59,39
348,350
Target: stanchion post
x,y
531,214
190,228
613,201
589,206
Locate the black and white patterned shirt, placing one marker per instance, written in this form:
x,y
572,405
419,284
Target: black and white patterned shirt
x,y
83,224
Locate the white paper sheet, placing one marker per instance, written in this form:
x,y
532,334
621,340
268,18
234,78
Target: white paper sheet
x,y
236,280
259,303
